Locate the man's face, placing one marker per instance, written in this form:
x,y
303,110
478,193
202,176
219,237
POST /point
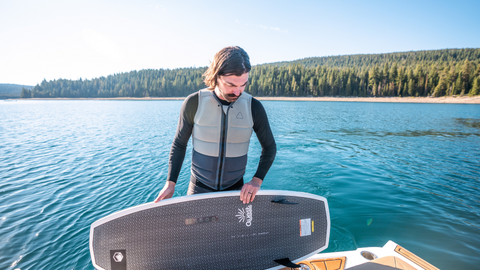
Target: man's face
x,y
229,88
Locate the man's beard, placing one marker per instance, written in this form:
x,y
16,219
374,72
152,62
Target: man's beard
x,y
229,97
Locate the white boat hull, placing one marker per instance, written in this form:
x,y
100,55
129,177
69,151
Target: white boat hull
x,y
390,256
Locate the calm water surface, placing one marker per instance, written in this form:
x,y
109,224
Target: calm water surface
x,y
402,172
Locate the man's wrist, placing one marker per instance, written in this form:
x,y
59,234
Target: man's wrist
x,y
170,183
257,180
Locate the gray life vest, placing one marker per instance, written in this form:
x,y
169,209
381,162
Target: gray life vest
x,y
220,140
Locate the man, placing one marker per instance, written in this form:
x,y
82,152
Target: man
x,y
220,120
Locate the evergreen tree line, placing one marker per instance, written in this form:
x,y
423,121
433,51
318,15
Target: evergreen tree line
x,y
423,73
405,59
143,83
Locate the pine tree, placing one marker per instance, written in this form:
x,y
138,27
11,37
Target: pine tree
x,y
458,85
311,84
294,87
361,90
476,87
441,87
411,87
400,89
386,73
466,72
373,76
337,86
393,76
287,89
25,93
348,88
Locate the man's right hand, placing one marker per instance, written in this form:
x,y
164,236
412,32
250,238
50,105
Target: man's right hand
x,y
166,192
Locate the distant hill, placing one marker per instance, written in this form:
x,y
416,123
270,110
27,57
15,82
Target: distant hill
x,y
8,90
446,72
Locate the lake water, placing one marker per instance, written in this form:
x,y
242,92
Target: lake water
x,y
402,172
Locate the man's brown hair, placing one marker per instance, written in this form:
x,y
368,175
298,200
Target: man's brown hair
x,y
231,60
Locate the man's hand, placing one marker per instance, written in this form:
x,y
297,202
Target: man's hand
x,y
250,189
166,192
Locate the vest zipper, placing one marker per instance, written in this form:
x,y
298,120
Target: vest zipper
x,y
221,157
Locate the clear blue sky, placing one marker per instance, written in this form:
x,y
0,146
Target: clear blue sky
x,y
88,39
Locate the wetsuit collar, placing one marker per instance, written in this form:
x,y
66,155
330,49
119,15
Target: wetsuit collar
x,y
223,102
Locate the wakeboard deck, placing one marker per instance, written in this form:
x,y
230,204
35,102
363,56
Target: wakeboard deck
x,y
213,231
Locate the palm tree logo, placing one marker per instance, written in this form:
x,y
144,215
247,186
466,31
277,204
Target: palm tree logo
x,y
245,215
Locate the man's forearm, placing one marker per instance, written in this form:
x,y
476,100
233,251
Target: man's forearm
x,y
177,155
266,160
265,137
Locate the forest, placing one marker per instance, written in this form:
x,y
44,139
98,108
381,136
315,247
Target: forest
x,y
434,73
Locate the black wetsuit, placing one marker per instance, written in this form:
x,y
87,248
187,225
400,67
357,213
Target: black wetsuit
x,y
184,131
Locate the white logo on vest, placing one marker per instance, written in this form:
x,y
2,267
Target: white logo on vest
x,y
245,215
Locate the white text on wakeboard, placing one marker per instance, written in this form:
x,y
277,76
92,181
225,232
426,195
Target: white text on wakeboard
x,y
245,215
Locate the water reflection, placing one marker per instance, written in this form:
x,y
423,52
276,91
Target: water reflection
x,y
405,133
468,122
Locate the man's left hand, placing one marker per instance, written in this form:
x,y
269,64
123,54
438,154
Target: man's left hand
x,y
250,189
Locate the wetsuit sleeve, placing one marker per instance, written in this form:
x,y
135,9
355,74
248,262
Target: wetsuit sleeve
x,y
184,131
265,137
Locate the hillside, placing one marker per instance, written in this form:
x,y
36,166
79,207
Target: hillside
x,y
12,90
408,59
417,73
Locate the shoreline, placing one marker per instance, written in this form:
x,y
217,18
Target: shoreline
x,y
446,100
